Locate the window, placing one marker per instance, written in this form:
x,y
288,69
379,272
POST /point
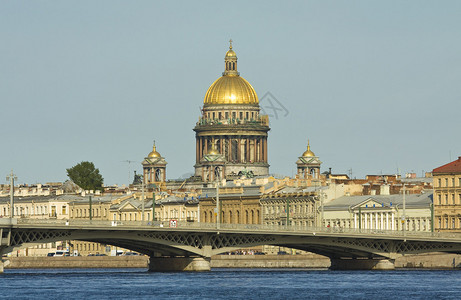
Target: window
x,y
446,182
453,198
440,199
440,182
64,210
453,223
446,199
227,115
241,117
220,115
452,182
247,119
233,115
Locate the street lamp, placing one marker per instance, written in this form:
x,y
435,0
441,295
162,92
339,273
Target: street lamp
x,y
404,215
142,199
11,178
218,216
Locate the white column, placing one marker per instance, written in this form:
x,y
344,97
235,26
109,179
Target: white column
x,y
365,223
392,220
376,219
382,221
355,220
371,221
387,220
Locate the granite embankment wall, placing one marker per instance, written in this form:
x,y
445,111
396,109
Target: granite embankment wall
x,y
433,260
270,261
31,262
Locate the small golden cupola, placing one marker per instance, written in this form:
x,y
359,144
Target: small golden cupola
x,y
308,152
154,152
230,61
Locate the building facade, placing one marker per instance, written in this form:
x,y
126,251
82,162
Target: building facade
x,y
447,196
380,212
237,205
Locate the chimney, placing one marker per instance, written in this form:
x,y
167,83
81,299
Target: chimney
x,y
384,189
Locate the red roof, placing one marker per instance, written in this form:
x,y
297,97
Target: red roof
x,y
453,167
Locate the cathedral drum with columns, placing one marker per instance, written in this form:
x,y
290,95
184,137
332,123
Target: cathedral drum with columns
x,y
231,135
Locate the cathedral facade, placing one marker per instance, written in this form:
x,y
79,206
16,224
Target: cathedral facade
x,y
231,135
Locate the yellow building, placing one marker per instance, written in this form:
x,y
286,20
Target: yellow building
x,y
38,207
237,205
447,196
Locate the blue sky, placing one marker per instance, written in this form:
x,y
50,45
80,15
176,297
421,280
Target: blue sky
x,y
374,85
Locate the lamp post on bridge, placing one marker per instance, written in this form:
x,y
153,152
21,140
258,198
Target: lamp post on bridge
x,y
404,217
218,211
12,177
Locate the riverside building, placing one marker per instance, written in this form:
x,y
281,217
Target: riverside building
x,y
447,196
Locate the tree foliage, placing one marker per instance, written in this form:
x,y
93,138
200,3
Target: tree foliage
x,y
86,176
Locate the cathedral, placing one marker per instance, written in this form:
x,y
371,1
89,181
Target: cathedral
x,y
231,135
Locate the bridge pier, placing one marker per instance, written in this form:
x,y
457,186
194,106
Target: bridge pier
x,y
171,264
362,264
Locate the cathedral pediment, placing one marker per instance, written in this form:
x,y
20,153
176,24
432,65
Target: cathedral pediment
x,y
154,161
370,203
308,160
213,159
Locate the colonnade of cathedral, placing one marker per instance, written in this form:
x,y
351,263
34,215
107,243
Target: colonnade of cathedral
x,y
247,149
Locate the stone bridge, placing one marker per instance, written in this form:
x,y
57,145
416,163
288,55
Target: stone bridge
x,y
189,246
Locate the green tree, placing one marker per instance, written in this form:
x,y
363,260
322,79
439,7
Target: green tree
x,y
86,176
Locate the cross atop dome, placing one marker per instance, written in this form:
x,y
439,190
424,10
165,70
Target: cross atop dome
x,y
230,44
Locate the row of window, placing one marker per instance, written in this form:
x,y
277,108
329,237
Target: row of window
x,y
447,181
33,210
449,223
230,66
85,212
234,115
230,217
448,199
293,223
294,209
413,224
158,215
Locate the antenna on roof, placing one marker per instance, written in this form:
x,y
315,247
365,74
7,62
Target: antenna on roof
x,y
129,168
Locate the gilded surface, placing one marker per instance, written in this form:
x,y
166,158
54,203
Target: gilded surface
x,y
231,90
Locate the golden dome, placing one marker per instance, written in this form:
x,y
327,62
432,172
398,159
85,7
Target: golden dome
x,y
231,88
308,152
154,153
231,53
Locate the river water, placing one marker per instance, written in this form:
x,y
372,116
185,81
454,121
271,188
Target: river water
x,y
229,284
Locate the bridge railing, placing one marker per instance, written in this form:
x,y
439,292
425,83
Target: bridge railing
x,y
238,227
